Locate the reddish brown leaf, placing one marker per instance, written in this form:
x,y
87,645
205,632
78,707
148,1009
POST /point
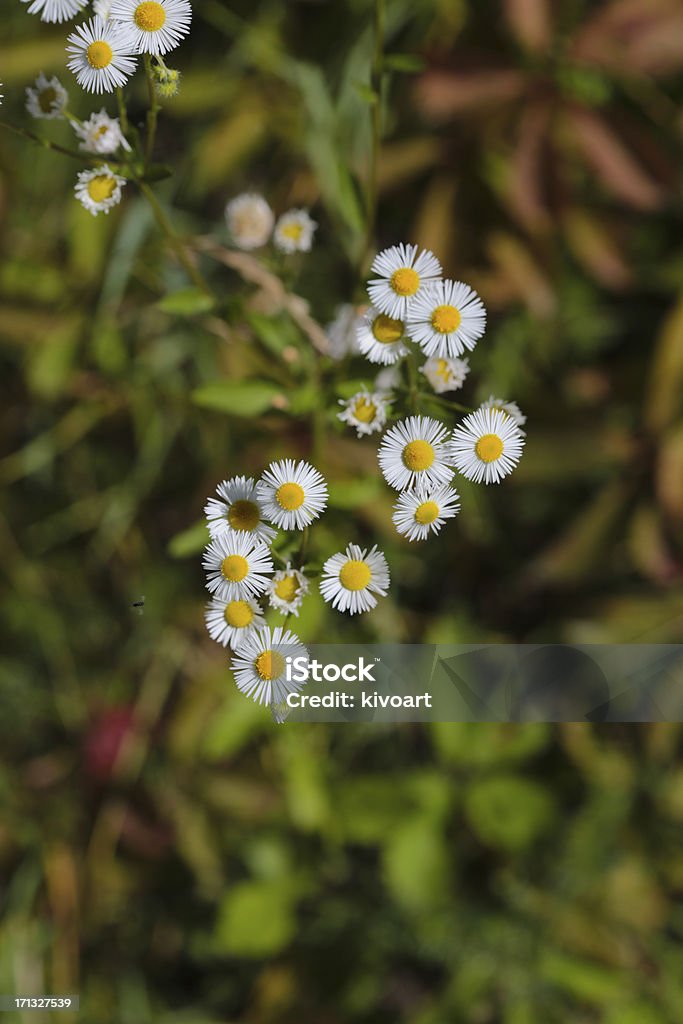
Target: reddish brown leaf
x,y
526,171
529,20
442,94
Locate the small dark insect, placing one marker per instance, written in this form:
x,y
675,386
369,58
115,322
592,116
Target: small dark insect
x,y
138,604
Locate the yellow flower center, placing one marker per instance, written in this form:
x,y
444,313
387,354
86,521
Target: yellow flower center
x,y
99,54
293,230
102,187
47,99
446,319
355,575
426,513
290,496
443,370
418,455
365,410
270,665
489,447
234,568
287,589
238,614
244,515
405,281
386,330
102,130
149,16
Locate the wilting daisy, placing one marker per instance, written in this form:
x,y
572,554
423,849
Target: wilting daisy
x,y
250,220
486,446
352,578
99,189
380,337
415,451
287,590
101,134
46,99
230,622
238,508
446,319
424,510
292,494
260,664
511,408
366,411
388,379
101,55
341,332
156,26
238,567
55,10
445,374
294,232
403,276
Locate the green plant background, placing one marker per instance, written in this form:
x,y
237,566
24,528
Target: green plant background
x,y
229,870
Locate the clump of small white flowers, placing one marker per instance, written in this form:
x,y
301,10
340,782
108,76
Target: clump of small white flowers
x,y
287,590
510,408
366,411
353,580
99,189
55,10
102,55
486,446
155,26
250,220
101,134
294,232
46,99
445,374
424,510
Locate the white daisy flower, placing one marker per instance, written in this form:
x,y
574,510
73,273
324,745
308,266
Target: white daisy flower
x,y
446,319
486,446
445,374
99,189
380,337
101,55
260,664
403,277
413,451
341,332
250,220
424,510
101,134
294,232
238,508
287,590
46,99
511,408
351,579
231,622
102,8
237,566
55,10
292,494
156,26
366,411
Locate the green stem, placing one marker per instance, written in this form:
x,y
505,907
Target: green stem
x,y
376,133
123,113
445,404
176,243
152,113
46,144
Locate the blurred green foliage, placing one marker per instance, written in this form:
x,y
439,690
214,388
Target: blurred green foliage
x,y
165,849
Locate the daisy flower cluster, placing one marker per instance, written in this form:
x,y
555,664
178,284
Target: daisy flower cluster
x,y
103,52
414,311
251,224
245,521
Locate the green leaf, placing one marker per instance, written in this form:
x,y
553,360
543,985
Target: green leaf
x,y
237,397
186,302
189,542
367,94
405,63
417,864
352,493
256,919
508,812
157,172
